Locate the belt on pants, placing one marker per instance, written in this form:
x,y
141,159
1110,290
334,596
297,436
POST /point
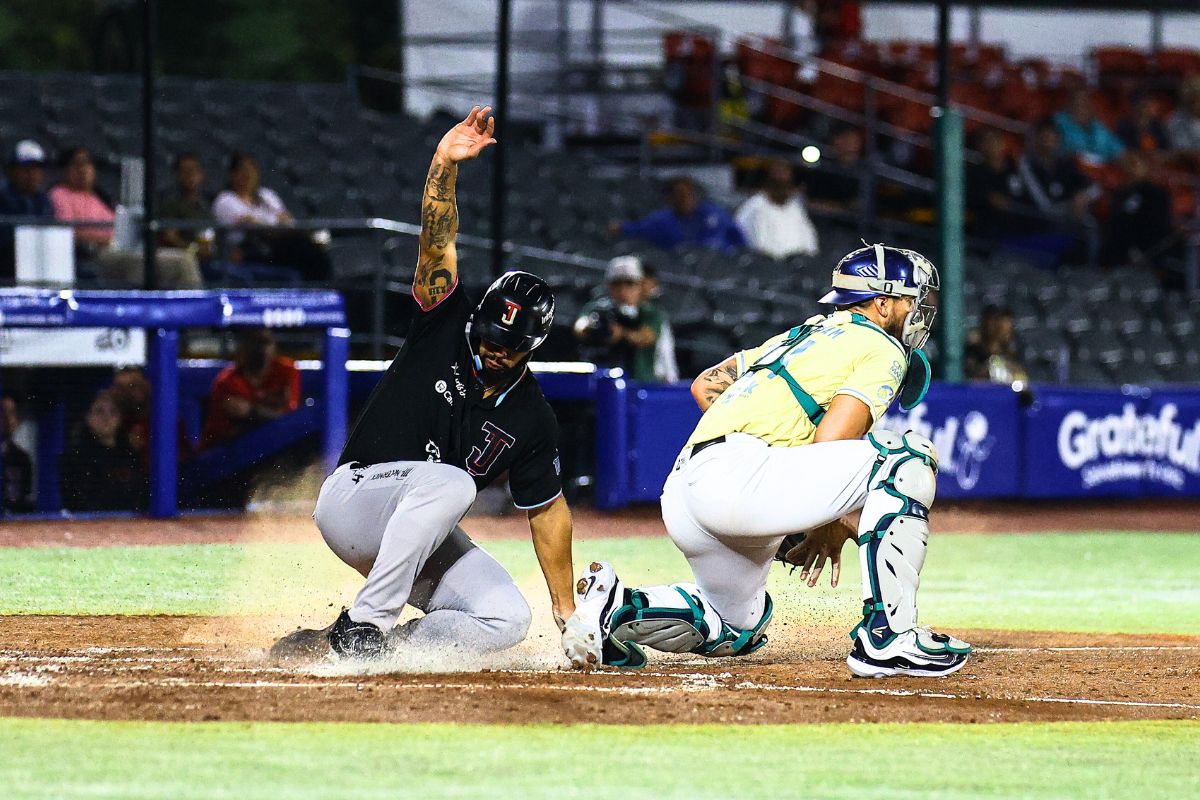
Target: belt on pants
x,y
699,446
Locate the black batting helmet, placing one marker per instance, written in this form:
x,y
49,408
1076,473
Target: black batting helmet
x,y
516,312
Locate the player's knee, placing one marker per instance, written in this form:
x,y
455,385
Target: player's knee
x,y
510,624
909,465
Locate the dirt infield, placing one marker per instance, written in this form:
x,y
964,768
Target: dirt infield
x,y
168,668
197,668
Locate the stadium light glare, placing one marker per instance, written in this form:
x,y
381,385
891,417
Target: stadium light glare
x,y
811,154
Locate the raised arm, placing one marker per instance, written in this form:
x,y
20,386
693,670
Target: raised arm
x,y
437,263
714,381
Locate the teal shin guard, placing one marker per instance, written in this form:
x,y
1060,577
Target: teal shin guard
x,y
677,619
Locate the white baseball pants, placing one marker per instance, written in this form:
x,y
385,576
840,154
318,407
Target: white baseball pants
x,y
730,506
397,524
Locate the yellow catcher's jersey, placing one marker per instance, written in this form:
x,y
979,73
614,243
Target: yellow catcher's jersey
x,y
844,354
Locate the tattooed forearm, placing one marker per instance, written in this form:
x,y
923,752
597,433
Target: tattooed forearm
x,y
437,264
439,183
707,388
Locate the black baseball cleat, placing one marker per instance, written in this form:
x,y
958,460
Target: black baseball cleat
x,y
345,637
350,639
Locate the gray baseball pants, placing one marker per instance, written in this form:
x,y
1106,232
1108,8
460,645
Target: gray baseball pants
x,y
397,524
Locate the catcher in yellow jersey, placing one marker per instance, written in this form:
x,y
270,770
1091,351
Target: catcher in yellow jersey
x,y
785,449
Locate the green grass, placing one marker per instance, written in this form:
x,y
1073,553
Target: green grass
x,y
1103,582
71,759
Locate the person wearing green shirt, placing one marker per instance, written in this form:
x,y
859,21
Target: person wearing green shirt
x,y
619,329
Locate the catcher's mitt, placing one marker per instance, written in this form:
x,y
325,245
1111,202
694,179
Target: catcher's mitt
x,y
789,543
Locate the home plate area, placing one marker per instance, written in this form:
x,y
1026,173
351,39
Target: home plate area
x,y
173,668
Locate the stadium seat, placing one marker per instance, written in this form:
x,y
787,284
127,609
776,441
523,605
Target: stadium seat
x,y
703,348
1089,374
687,307
1040,344
1155,348
1177,62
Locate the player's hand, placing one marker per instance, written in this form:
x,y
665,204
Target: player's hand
x,y
824,544
468,138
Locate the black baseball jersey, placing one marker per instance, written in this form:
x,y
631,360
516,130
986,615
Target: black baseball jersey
x,y
429,406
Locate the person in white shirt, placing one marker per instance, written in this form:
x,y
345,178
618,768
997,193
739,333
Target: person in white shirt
x,y
775,219
245,202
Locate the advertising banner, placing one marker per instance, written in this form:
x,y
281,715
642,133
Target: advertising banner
x,y
1088,443
72,347
975,429
1173,446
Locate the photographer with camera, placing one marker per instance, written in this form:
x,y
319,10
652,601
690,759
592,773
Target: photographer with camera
x,y
622,329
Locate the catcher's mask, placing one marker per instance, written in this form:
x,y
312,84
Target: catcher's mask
x,y
877,270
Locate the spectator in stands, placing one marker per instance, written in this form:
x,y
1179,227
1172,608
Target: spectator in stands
x,y
836,187
988,198
1183,128
245,202
186,201
76,199
99,471
17,466
688,220
131,393
991,352
619,329
1052,184
666,366
1142,129
1084,135
775,220
22,196
260,386
1049,180
1139,226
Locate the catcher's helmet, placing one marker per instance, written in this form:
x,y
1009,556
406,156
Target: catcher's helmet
x,y
877,270
516,312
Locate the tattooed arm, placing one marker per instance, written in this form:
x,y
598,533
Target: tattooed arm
x,y
437,263
712,382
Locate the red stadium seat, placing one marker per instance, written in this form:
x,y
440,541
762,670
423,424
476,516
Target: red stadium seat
x,y
1118,61
690,59
912,116
841,92
1177,62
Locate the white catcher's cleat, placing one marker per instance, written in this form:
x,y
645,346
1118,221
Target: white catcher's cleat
x,y
918,652
597,594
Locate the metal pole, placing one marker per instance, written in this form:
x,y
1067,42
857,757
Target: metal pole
x,y
975,25
943,53
504,33
1156,31
337,394
400,52
163,366
948,152
599,110
149,223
